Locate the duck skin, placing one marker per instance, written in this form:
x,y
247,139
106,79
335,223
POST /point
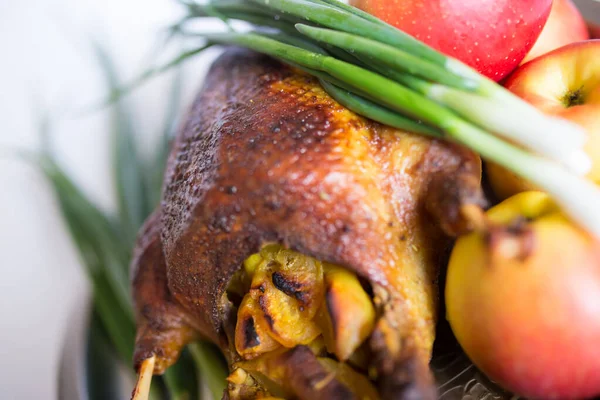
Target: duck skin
x,y
302,239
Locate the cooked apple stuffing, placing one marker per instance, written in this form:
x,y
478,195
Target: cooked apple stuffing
x,y
290,300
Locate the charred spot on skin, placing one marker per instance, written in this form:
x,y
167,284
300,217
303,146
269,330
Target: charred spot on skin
x,y
289,287
273,205
251,338
147,311
262,302
276,128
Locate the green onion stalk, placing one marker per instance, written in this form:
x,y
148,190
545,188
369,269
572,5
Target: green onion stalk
x,y
534,131
105,241
387,75
374,36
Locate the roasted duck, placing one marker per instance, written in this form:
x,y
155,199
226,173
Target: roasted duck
x,y
302,239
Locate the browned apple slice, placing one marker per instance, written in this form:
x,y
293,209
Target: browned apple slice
x,y
286,291
348,315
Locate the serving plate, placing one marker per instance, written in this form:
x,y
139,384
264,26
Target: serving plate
x,y
89,371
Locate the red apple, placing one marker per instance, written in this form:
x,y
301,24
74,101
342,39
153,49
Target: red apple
x,y
595,31
565,25
493,36
566,83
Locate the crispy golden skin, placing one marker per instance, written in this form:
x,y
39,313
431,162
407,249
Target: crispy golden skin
x,y
266,156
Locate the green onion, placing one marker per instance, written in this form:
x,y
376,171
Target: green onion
x,y
85,223
359,104
377,113
119,92
388,76
214,369
128,171
337,18
539,136
92,232
156,166
531,130
579,197
559,141
104,243
387,55
226,7
390,93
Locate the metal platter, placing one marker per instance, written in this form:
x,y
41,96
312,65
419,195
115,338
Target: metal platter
x,y
457,378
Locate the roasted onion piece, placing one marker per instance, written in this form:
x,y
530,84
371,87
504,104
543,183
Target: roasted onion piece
x,y
295,300
285,294
302,239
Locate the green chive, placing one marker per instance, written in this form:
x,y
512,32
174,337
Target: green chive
x,y
385,54
377,113
91,232
578,196
388,92
156,168
128,170
334,17
226,7
212,365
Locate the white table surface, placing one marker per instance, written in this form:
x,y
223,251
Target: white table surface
x,y
47,63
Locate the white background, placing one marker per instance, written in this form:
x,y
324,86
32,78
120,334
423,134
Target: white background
x,y
46,63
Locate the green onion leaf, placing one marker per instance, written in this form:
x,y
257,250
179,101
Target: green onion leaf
x,y
212,367
385,54
94,237
377,113
128,169
335,17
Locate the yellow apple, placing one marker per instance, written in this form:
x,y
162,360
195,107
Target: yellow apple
x,y
565,83
523,300
565,25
